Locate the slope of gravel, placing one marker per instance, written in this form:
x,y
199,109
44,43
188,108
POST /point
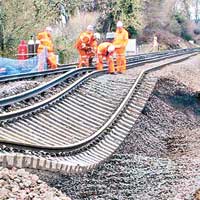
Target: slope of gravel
x,y
156,161
21,185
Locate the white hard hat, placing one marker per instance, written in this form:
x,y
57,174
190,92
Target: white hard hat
x,y
97,36
90,28
111,48
119,24
49,29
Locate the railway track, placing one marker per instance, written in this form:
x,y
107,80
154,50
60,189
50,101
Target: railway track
x,y
89,128
41,92
66,67
34,85
44,91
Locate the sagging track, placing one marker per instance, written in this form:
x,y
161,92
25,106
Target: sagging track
x,y
87,147
48,89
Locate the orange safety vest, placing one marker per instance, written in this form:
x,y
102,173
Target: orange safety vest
x,y
103,48
121,38
86,38
45,41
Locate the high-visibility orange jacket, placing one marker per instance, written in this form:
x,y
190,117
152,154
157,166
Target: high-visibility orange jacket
x,y
85,40
86,45
46,42
43,35
102,52
121,38
103,48
120,42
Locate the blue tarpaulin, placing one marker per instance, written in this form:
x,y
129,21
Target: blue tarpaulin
x,y
13,66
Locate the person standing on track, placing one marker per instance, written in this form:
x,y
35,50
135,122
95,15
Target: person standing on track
x,y
120,43
86,45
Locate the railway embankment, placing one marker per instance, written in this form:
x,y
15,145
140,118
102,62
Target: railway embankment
x,y
160,157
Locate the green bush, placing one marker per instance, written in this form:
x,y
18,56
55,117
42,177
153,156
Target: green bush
x,y
186,36
132,31
65,50
179,18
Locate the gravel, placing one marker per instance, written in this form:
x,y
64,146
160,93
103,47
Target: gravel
x,y
20,184
16,87
157,161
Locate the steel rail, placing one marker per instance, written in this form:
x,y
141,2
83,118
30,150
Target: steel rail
x,y
66,67
57,97
37,74
97,149
31,93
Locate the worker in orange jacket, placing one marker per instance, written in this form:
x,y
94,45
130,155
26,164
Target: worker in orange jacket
x,y
45,39
86,46
120,43
105,50
93,50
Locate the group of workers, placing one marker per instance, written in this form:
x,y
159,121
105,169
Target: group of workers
x,y
88,48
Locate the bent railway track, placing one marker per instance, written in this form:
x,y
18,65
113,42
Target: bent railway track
x,y
79,130
34,87
44,91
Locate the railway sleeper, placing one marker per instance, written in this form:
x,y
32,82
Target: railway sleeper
x,y
71,129
127,121
72,121
47,134
76,118
101,101
92,101
82,109
67,131
84,112
17,130
96,107
124,123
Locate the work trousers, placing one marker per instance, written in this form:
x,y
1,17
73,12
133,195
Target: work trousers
x,y
51,59
109,58
83,58
120,60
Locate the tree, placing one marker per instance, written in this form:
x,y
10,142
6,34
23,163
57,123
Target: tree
x,y
20,20
127,11
196,5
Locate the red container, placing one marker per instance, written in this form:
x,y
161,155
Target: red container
x,y
22,50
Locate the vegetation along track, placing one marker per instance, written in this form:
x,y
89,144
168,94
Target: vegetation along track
x,y
48,89
88,128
